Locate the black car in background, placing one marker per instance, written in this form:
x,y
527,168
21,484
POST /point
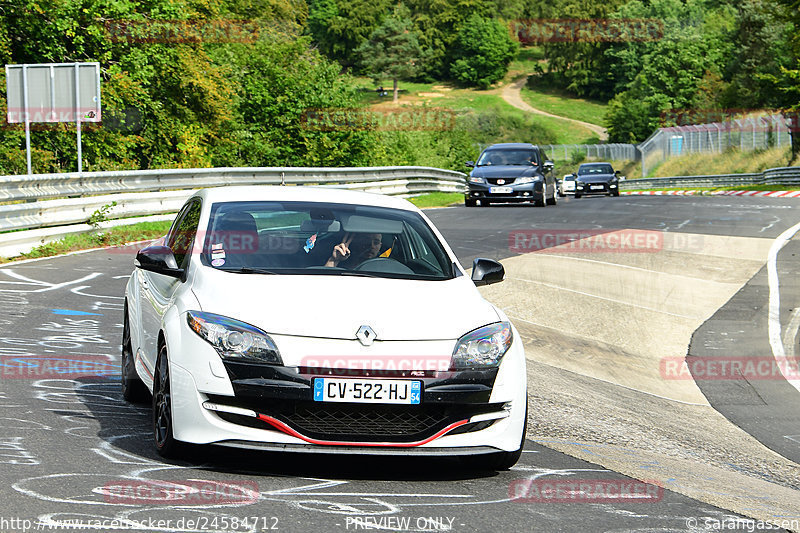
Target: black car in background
x,y
596,178
511,172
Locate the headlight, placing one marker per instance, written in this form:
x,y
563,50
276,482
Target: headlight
x,y
475,180
483,347
234,340
613,186
527,180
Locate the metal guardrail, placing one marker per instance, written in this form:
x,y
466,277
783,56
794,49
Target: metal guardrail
x,y
773,176
149,192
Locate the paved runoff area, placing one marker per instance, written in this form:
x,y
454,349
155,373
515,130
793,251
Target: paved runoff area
x,y
660,334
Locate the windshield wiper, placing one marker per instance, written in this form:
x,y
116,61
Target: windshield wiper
x,y
250,270
357,273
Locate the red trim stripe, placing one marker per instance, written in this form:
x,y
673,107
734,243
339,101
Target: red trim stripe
x,y
289,431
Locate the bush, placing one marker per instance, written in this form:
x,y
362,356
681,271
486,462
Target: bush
x,y
482,52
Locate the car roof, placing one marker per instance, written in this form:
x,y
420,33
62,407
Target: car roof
x,y
595,163
236,193
507,146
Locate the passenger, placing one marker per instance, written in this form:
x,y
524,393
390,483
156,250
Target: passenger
x,y
355,249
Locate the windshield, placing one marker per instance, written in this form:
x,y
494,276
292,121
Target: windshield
x,y
595,169
508,157
322,239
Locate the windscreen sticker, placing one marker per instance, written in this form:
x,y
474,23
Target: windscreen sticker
x,y
216,246
310,243
217,262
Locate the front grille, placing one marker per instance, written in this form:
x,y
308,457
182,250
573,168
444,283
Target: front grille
x,y
383,422
493,181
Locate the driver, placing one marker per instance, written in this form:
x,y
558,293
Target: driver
x,y
354,249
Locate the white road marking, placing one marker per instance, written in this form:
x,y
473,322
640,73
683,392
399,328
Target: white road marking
x,y
774,316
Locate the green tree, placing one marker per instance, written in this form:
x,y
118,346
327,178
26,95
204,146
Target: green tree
x,y
339,27
392,50
482,52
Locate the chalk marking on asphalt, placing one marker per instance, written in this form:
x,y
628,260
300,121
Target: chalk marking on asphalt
x,y
46,286
774,316
660,311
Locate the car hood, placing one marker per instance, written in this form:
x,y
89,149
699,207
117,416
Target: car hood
x,y
505,171
337,306
597,178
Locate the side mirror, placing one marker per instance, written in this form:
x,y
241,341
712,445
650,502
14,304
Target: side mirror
x,y
158,259
470,164
616,172
487,271
548,165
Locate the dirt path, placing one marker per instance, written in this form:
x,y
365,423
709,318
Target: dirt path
x,y
511,94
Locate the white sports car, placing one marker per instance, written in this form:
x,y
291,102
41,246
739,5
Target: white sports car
x,y
318,320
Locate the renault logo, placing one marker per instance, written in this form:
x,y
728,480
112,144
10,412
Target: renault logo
x,y
365,335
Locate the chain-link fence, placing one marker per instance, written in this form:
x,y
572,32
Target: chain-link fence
x,y
750,133
610,152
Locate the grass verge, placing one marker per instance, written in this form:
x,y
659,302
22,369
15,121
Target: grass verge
x,y
560,103
437,199
115,236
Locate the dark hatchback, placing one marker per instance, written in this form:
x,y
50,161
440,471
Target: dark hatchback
x,y
596,178
511,172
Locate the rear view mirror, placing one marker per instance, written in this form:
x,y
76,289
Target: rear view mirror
x,y
487,271
470,164
158,259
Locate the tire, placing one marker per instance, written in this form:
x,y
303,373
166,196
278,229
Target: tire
x,y
553,200
539,203
485,203
163,438
615,194
133,389
499,460
562,194
577,195
470,203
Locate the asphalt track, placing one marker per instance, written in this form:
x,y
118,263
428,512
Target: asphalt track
x,y
68,445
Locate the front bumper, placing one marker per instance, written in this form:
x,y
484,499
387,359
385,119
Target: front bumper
x,y
597,188
525,192
272,407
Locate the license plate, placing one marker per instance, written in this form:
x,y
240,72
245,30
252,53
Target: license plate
x,y
500,190
367,390
595,187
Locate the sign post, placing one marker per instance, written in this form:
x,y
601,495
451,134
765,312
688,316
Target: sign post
x,y
53,92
